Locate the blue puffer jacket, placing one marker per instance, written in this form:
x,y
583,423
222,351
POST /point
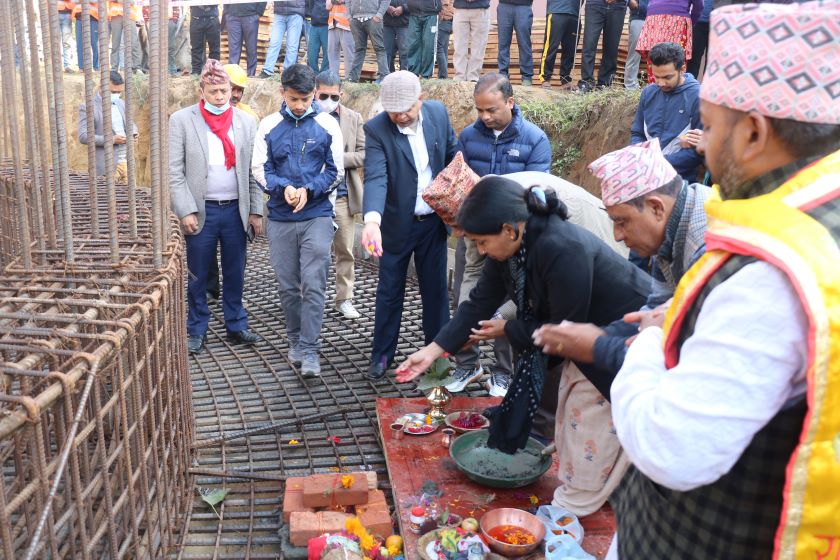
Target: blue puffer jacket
x,y
522,146
290,8
667,116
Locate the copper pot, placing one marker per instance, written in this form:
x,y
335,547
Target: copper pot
x,y
518,518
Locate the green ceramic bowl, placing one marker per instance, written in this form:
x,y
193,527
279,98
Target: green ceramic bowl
x,y
493,468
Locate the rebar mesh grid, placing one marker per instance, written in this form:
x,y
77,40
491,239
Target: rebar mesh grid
x,y
94,388
236,387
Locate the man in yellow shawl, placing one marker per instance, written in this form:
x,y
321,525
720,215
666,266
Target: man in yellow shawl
x,y
731,412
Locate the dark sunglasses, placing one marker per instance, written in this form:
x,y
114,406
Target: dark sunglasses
x,y
325,96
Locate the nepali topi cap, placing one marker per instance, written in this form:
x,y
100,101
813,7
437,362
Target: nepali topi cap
x,y
399,91
632,172
781,61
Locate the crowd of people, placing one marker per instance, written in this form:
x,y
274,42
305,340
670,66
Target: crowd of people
x,y
410,35
677,342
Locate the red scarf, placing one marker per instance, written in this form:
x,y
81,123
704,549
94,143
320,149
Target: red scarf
x,y
220,126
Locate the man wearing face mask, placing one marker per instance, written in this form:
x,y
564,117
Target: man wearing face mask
x,y
216,198
118,126
299,161
349,193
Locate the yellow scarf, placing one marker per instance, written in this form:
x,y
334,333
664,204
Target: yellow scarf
x,y
775,228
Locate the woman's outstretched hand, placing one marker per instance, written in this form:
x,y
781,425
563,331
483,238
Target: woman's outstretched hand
x,y
418,362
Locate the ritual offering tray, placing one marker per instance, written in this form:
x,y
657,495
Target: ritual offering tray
x,y
418,424
466,421
436,545
493,468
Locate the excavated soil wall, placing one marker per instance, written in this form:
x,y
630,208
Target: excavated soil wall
x,y
580,127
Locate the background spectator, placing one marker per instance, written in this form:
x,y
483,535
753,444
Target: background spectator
x,y
288,21
516,15
668,21
204,29
700,39
638,12
395,34
317,38
560,33
339,37
366,22
605,16
65,24
422,35
242,21
444,31
93,6
471,25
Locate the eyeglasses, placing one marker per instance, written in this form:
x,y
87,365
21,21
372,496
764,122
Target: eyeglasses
x,y
325,96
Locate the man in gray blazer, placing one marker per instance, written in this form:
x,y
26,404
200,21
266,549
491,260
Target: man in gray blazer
x,y
216,198
118,125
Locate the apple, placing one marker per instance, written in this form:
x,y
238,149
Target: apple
x,y
470,524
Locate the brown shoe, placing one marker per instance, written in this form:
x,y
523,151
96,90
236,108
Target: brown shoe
x,y
546,84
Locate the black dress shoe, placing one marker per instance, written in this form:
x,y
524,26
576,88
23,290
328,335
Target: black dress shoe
x,y
195,344
243,337
377,370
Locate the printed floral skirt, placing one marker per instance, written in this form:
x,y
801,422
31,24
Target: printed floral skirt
x,y
664,29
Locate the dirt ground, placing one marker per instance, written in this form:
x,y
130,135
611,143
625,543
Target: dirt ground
x,y
602,125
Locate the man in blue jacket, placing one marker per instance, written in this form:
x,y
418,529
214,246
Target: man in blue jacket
x,y
406,146
299,161
669,109
499,142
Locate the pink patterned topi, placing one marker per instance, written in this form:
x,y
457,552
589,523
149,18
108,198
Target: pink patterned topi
x,y
631,172
782,61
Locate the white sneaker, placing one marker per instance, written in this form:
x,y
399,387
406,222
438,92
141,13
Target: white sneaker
x,y
311,366
295,356
498,384
346,308
464,377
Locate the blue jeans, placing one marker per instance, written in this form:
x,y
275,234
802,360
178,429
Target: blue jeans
x,y
512,18
316,44
291,26
94,42
223,225
65,23
396,42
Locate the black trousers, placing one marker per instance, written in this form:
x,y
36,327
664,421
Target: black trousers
x,y
204,30
560,34
610,21
700,41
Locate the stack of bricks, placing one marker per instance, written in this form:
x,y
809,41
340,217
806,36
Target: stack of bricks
x,y
319,504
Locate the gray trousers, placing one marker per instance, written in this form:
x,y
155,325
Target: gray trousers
x,y
631,67
300,255
468,265
119,25
362,30
339,40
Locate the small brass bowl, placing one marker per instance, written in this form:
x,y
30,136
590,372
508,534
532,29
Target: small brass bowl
x,y
518,518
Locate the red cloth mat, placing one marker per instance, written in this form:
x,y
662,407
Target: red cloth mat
x,y
413,460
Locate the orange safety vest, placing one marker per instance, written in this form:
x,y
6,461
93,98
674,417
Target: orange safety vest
x,y
66,5
137,13
115,9
339,17
94,10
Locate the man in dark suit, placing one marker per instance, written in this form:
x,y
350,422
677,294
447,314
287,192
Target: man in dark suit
x,y
406,146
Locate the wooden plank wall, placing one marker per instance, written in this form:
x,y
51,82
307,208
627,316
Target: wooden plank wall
x,y
490,57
